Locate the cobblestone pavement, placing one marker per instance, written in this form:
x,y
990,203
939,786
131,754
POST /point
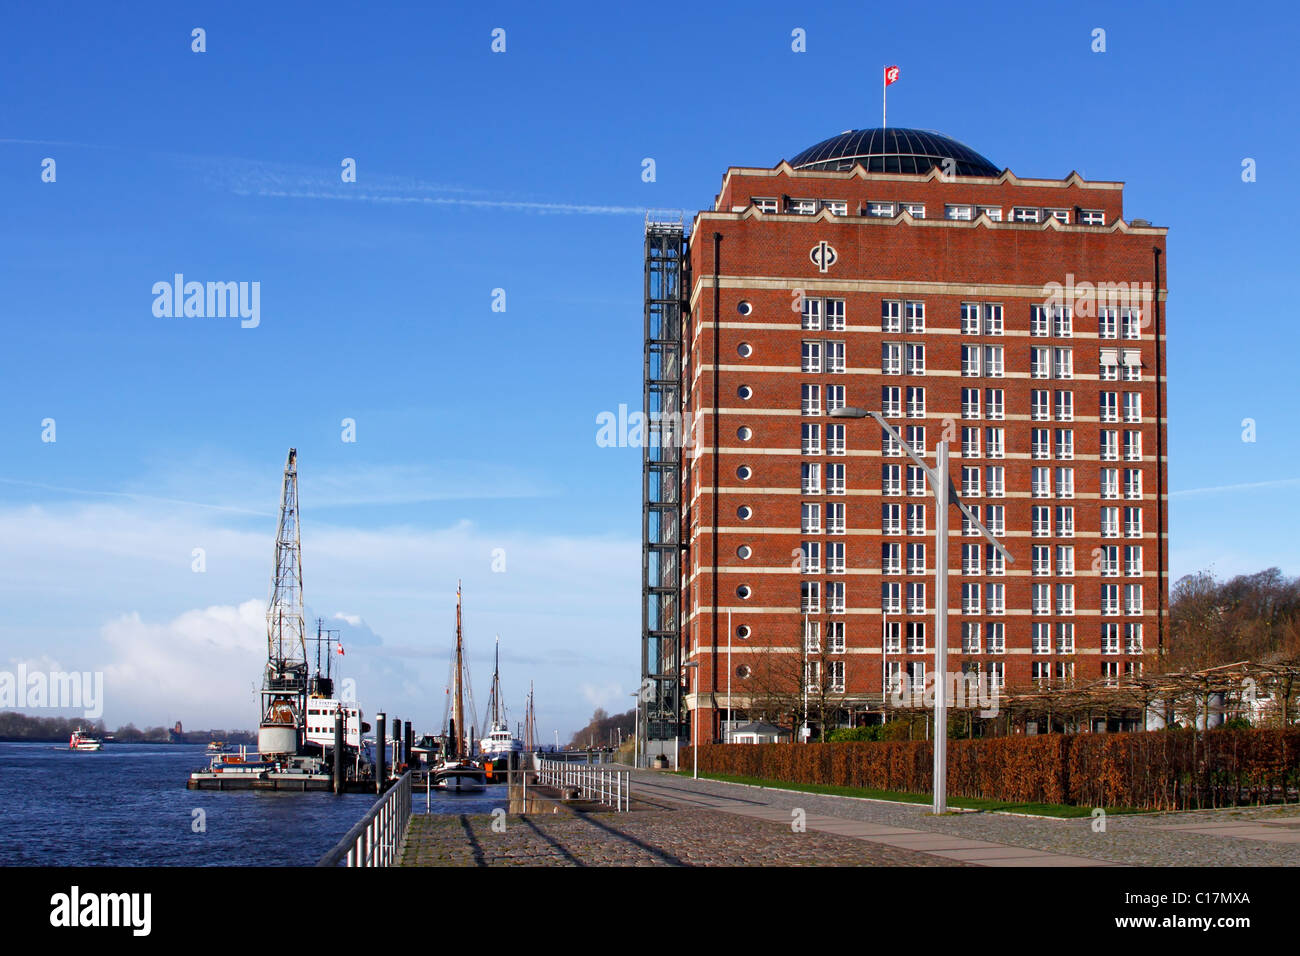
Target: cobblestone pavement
x,y
1266,836
650,836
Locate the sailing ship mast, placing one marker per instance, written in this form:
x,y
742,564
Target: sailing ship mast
x,y
530,724
495,702
458,702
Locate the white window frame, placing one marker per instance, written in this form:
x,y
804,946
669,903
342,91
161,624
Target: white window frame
x,y
1040,362
1040,405
812,356
891,358
810,518
835,315
891,597
811,316
835,523
993,364
835,360
836,443
835,479
995,481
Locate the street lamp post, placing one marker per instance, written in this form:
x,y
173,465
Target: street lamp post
x,y
731,715
636,733
804,733
944,494
695,724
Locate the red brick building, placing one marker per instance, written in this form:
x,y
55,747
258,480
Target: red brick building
x,y
901,272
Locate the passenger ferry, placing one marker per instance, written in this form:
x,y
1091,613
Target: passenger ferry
x,y
84,740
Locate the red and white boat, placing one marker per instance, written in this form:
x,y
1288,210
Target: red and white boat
x,y
83,740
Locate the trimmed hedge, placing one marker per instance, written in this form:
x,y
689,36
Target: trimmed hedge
x,y
1162,770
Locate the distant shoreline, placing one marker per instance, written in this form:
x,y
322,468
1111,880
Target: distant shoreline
x,y
63,740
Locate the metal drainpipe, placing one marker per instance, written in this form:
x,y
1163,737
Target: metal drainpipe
x,y
717,363
1160,466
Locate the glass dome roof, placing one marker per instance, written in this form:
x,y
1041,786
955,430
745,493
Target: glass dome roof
x,y
894,150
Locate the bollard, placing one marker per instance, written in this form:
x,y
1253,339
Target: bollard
x,y
338,751
397,742
381,747
408,745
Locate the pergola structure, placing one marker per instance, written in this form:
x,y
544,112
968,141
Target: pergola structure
x,y
1158,700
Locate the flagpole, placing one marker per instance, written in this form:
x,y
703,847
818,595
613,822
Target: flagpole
x,y
883,87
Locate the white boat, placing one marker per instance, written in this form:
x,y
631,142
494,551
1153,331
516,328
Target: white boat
x,y
500,743
319,725
462,776
84,740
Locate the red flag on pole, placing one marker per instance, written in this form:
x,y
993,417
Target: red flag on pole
x,y
340,647
891,75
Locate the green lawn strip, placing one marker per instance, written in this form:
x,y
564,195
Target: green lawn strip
x,y
961,803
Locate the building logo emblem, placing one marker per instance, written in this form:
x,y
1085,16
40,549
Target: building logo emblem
x,y
823,255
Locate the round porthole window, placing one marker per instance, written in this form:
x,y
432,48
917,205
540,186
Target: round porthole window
x,y
744,512
744,472
745,392
744,307
742,592
742,671
744,433
745,350
744,552
742,632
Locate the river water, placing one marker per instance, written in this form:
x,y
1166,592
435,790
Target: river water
x,y
127,805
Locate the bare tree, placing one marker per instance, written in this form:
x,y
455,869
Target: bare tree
x,y
794,684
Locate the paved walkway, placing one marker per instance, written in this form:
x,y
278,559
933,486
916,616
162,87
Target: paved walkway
x,y
652,834
759,804
1266,836
677,821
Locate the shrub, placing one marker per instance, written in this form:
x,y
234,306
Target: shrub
x,y
1161,770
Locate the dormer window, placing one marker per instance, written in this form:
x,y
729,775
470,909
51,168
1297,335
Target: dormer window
x,y
765,205
1025,214
915,209
881,210
1060,215
959,212
836,207
993,212
1092,217
802,207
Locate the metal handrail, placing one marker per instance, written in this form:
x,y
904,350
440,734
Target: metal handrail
x,y
376,840
612,788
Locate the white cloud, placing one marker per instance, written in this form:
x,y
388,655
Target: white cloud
x,y
110,586
608,695
201,667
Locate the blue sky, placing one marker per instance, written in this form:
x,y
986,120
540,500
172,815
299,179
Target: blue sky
x,y
518,171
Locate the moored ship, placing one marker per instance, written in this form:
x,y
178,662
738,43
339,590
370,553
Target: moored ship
x,y
457,770
500,745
